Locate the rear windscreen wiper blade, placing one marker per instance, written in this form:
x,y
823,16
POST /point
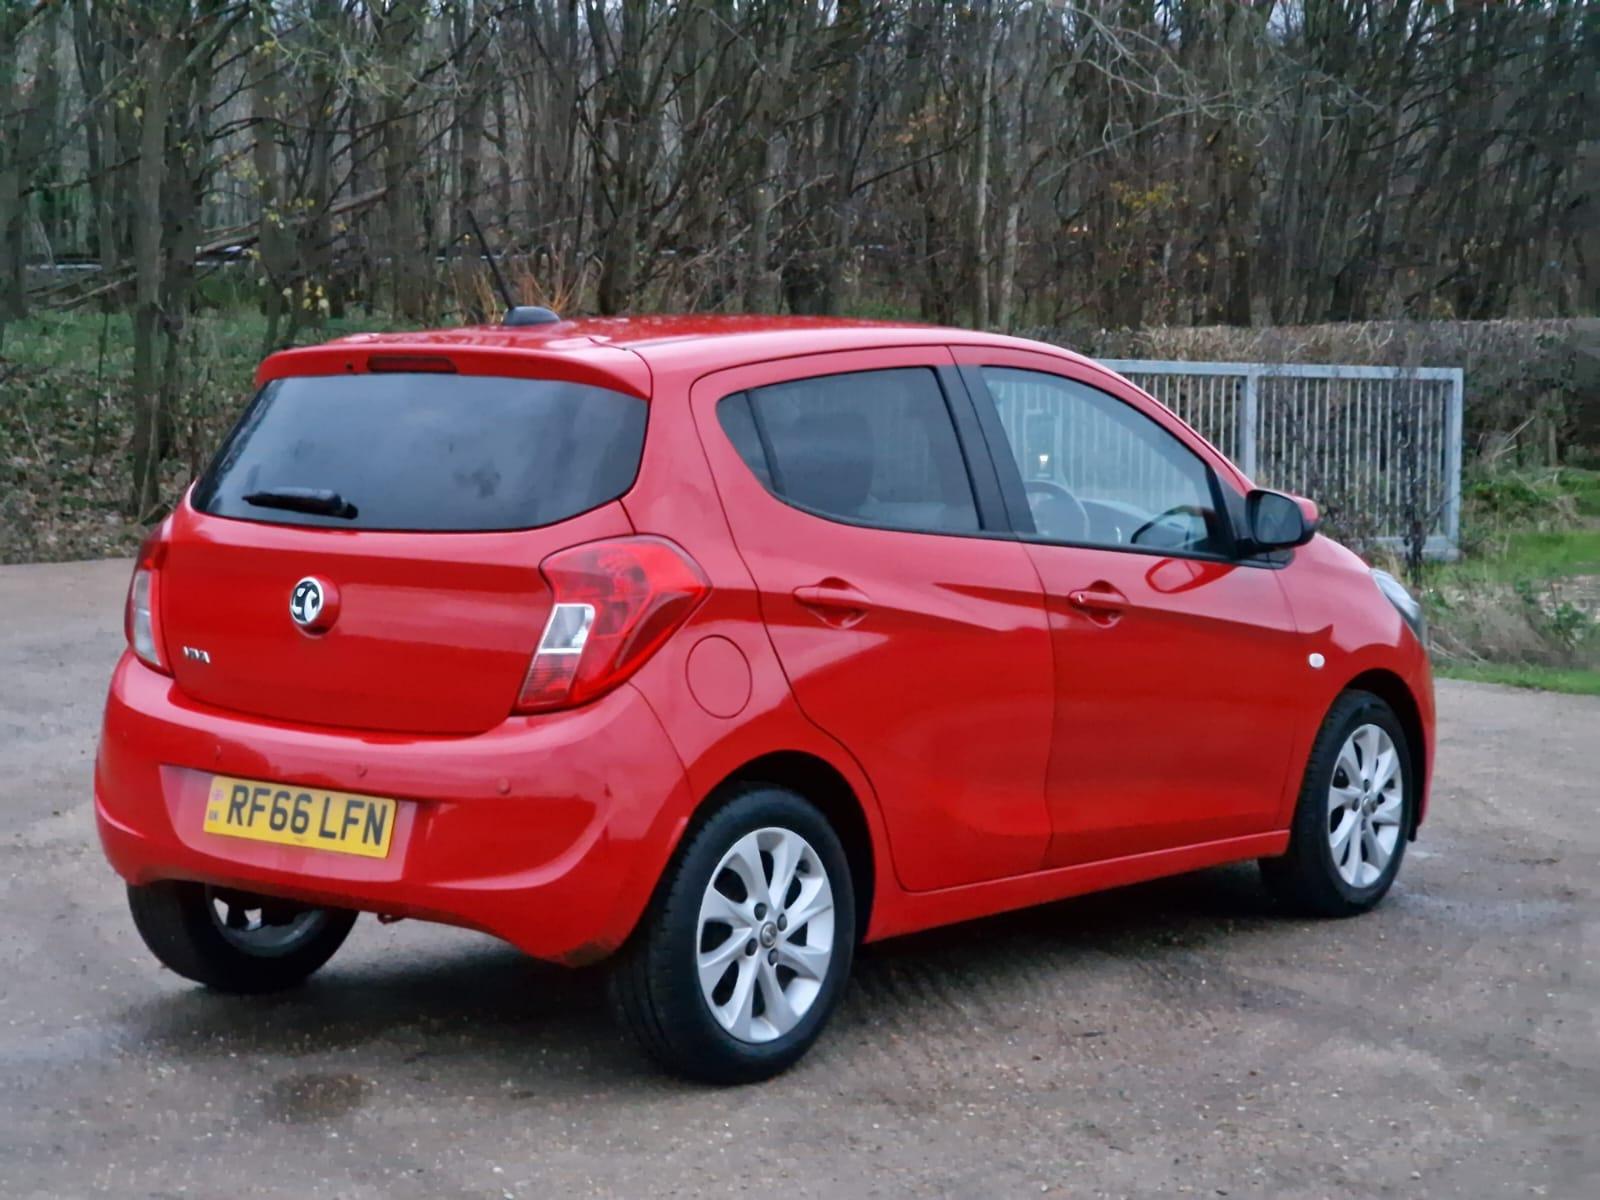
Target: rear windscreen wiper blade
x,y
324,502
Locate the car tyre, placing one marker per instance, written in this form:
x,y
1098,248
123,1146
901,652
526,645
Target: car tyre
x,y
1354,814
731,976
208,935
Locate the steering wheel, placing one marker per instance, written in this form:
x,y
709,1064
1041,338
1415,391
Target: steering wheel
x,y
1063,513
1177,510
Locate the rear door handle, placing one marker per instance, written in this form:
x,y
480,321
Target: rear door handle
x,y
834,601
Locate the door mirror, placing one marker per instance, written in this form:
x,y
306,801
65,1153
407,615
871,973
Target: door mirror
x,y
1277,521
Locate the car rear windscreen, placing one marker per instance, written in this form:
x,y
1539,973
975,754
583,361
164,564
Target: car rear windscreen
x,y
427,452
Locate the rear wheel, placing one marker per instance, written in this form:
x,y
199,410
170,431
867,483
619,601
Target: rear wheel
x,y
1355,810
741,958
235,941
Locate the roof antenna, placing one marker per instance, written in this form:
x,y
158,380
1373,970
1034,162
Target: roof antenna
x,y
494,265
516,314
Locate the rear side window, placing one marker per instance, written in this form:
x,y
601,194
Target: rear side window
x,y
425,452
871,447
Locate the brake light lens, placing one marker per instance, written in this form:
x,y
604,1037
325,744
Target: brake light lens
x,y
140,621
416,364
616,603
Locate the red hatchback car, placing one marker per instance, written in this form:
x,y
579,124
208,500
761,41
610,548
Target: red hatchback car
x,y
717,646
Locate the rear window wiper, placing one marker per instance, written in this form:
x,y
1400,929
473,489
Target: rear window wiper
x,y
324,502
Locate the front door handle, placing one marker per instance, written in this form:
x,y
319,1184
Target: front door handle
x,y
834,601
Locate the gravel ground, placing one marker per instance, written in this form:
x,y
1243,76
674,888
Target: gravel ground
x,y
1175,1038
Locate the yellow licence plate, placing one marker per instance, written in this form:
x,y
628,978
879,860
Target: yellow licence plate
x,y
297,816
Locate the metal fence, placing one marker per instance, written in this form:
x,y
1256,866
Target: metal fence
x,y
1378,447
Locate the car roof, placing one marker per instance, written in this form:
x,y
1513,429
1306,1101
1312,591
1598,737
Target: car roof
x,y
665,344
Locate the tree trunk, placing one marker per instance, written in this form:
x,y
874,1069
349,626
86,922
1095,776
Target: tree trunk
x,y
1006,285
502,183
979,276
275,246
625,154
313,250
470,121
762,284
13,284
410,263
158,59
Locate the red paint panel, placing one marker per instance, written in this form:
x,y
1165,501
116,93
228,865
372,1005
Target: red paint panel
x,y
548,831
1175,717
435,631
939,683
1177,680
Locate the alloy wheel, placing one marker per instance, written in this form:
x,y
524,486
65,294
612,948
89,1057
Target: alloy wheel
x,y
1365,802
766,934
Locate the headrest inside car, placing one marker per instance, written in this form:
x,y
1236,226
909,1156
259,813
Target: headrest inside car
x,y
827,462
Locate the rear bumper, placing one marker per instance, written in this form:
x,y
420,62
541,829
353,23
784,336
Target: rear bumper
x,y
547,831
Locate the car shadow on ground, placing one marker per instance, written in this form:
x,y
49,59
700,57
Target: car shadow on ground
x,y
481,1013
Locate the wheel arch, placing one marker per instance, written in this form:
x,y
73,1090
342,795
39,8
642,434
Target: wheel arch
x,y
1393,691
822,784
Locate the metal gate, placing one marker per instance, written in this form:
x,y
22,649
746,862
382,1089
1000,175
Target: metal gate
x,y
1378,447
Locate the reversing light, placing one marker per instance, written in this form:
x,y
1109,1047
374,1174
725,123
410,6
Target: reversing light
x,y
555,663
615,604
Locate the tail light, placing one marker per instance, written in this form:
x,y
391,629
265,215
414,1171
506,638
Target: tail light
x,y
141,620
616,604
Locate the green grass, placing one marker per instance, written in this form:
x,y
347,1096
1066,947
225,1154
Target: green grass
x,y
1548,679
1519,608
1541,496
1527,527
1583,487
1528,554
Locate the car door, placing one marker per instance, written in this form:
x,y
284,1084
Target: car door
x,y
908,618
1176,663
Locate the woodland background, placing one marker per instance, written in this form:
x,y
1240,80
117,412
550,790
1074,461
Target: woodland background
x,y
187,184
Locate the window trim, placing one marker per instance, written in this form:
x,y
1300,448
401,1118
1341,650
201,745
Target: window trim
x,y
985,487
1226,500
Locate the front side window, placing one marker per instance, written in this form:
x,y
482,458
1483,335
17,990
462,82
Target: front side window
x,y
870,447
1098,472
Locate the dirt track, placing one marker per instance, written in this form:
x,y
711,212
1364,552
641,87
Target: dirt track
x,y
1180,1037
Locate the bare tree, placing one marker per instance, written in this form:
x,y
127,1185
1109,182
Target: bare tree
x,y
1002,162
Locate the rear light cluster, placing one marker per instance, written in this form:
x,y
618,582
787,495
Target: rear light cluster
x,y
615,604
141,619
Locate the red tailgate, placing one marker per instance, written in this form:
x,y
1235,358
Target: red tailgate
x,y
434,631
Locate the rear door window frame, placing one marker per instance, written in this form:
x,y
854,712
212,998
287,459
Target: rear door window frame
x,y
994,521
